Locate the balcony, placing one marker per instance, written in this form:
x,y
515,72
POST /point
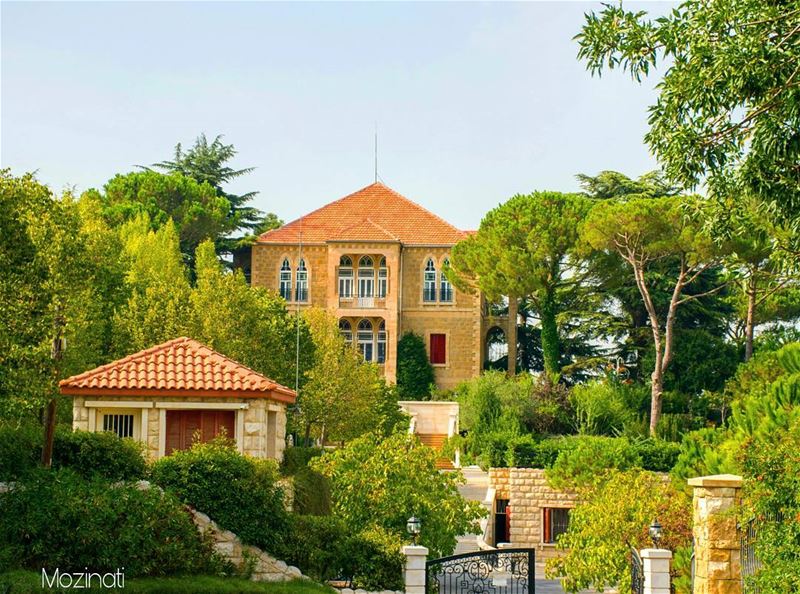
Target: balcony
x,y
363,302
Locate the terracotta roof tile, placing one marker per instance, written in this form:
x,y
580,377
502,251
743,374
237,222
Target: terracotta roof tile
x,y
374,213
178,366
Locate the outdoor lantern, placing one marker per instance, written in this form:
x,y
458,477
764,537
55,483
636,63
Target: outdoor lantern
x,y
655,532
414,526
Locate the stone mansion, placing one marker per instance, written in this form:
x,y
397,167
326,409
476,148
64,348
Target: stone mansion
x,y
375,259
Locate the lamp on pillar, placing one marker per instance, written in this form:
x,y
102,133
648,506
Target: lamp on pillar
x,y
414,527
656,532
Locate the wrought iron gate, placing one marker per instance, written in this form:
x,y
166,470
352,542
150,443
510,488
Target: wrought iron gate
x,y
637,573
500,571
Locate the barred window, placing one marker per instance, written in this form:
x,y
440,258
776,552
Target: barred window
x,y
121,424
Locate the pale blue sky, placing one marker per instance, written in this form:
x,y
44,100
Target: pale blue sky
x,y
474,101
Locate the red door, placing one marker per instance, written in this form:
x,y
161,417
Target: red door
x,y
186,426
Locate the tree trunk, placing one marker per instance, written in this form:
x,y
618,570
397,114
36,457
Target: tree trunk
x,y
551,350
656,393
50,414
749,328
511,335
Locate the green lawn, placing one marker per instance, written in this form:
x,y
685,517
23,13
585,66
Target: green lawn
x,y
18,582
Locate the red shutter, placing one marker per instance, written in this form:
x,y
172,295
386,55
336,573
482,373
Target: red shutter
x,y
438,349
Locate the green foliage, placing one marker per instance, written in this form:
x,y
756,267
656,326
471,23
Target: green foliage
x,y
772,502
195,208
727,107
236,491
522,251
343,396
527,452
414,370
57,519
20,449
604,525
589,460
604,407
324,548
99,454
312,493
296,458
380,483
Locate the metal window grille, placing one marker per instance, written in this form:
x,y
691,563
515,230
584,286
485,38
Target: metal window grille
x,y
122,425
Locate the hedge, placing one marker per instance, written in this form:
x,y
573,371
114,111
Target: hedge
x,y
59,519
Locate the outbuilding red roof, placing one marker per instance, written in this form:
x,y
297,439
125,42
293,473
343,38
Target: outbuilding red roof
x,y
375,213
179,367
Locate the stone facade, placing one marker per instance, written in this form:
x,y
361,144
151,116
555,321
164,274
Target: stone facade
x,y
717,551
402,310
260,426
528,494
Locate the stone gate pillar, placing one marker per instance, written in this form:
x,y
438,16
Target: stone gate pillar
x,y
655,568
415,568
717,552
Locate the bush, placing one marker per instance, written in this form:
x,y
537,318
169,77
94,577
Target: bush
x,y
20,449
236,491
414,370
590,460
60,519
657,455
526,452
297,457
312,493
102,454
323,548
601,408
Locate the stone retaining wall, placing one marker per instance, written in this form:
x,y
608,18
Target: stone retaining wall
x,y
249,559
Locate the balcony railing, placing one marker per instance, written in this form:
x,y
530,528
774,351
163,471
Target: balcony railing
x,y
362,302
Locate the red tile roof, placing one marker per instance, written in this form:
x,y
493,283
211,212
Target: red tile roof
x,y
374,213
179,367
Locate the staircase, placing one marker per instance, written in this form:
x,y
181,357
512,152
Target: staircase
x,y
436,442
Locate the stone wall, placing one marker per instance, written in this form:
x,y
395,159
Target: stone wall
x,y
263,422
528,494
260,566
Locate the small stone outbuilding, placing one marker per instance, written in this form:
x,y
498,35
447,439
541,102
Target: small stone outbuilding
x,y
174,393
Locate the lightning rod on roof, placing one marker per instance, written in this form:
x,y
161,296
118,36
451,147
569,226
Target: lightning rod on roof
x,y
376,152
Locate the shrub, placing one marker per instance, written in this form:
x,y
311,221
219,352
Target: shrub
x,y
60,519
312,493
657,455
236,491
102,454
601,408
414,370
378,483
20,449
590,460
296,457
324,549
526,452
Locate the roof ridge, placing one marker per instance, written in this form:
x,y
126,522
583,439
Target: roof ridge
x,y
433,214
371,222
384,229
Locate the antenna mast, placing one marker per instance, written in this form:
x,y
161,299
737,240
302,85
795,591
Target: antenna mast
x,y
297,315
376,152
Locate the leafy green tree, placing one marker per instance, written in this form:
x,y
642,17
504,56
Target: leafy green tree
x,y
249,324
382,482
727,106
642,231
159,307
343,396
414,370
195,208
604,526
207,163
523,249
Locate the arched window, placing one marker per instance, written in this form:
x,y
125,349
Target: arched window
x,y
285,280
429,282
445,288
383,279
382,342
301,289
347,331
366,339
345,278
366,278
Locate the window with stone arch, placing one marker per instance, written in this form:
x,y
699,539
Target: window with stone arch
x,y
366,340
301,288
429,282
366,277
383,279
345,277
381,342
346,329
445,288
285,280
